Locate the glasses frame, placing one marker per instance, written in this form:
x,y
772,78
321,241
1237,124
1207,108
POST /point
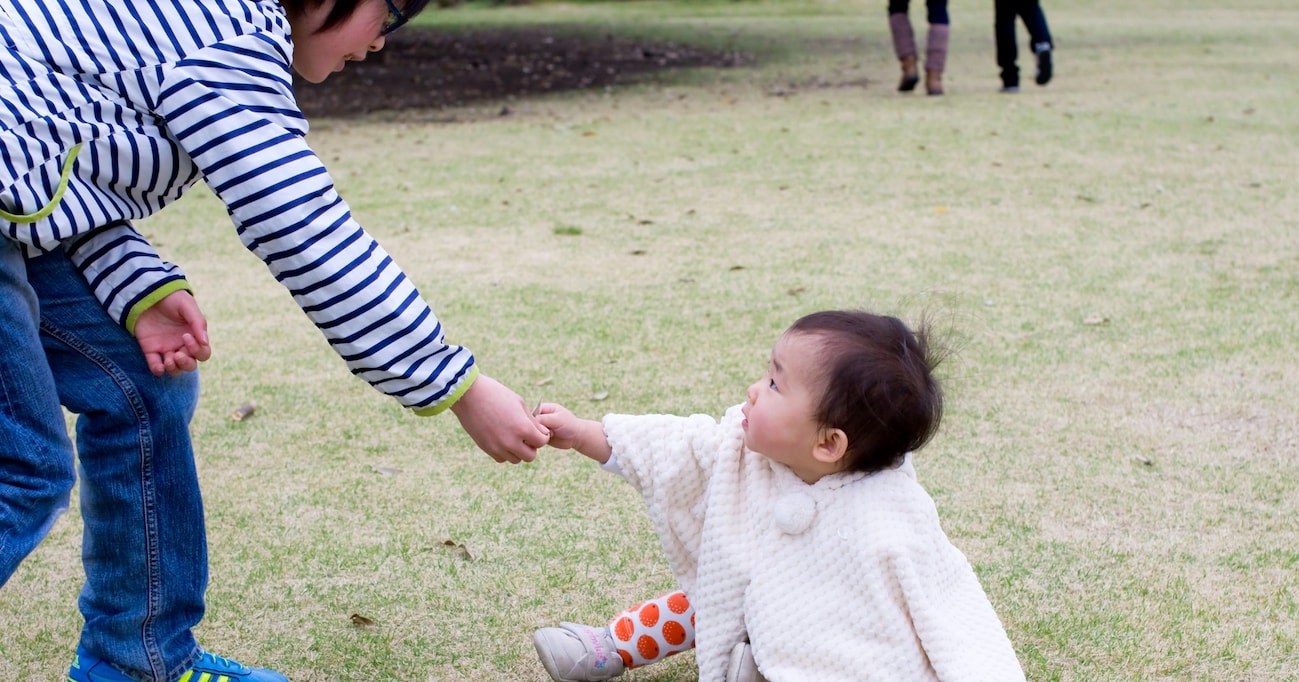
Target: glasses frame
x,y
395,19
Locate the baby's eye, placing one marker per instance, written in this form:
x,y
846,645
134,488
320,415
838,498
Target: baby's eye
x,y
772,385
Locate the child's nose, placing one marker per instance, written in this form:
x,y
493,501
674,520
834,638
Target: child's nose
x,y
378,43
752,393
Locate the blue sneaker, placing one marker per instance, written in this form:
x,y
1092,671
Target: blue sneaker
x,y
87,667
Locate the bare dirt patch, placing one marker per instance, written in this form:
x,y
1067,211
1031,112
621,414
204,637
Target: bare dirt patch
x,y
424,69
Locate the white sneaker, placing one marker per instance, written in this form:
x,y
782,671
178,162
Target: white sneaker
x,y
578,653
743,668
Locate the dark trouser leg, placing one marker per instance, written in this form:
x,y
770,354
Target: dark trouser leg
x,y
1035,21
1004,14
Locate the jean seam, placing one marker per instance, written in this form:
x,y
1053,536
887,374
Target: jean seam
x,y
152,560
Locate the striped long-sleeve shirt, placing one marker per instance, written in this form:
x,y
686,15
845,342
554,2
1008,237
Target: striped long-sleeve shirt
x,y
111,109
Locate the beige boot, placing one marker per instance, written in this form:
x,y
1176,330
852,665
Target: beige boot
x,y
742,667
910,74
933,82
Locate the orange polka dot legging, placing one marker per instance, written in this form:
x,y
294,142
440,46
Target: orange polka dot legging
x,y
653,630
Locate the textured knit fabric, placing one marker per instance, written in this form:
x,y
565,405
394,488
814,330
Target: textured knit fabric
x,y
850,579
158,94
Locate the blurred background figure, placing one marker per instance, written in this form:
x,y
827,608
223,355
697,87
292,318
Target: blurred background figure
x,y
1039,40
904,45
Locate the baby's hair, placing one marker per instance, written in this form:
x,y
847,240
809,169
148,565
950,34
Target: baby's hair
x,y
878,385
344,8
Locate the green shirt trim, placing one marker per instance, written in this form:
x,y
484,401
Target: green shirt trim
x,y
451,400
152,299
64,174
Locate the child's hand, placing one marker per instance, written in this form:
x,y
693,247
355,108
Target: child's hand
x,y
173,335
498,421
563,425
568,432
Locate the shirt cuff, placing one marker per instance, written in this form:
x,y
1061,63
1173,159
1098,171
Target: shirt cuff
x,y
152,299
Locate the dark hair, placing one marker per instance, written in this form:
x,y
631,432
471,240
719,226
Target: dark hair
x,y
344,9
878,385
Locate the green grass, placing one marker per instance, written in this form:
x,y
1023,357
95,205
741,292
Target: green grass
x,y
1114,256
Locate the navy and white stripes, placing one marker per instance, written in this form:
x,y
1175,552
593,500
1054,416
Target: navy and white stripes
x,y
160,93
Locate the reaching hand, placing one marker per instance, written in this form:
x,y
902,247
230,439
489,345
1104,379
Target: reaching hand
x,y
563,425
173,335
499,422
568,432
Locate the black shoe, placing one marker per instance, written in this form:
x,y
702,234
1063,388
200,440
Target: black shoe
x,y
908,83
1044,66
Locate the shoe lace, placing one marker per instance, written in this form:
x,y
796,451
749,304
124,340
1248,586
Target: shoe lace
x,y
220,664
217,660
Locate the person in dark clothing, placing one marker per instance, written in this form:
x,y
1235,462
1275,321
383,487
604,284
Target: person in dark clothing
x,y
1039,40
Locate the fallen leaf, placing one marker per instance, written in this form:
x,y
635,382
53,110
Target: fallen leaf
x,y
600,396
796,291
458,548
362,622
384,470
545,381
243,412
1094,320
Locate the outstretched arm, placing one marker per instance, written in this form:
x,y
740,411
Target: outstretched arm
x,y
498,421
173,335
568,431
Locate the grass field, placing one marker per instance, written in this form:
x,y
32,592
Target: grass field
x,y
1115,256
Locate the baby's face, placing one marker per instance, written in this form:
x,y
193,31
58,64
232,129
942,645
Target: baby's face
x,y
779,415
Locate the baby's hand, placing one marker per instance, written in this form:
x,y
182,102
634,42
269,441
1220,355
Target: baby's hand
x,y
562,423
173,335
567,432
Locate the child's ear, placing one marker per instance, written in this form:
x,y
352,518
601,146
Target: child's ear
x,y
831,447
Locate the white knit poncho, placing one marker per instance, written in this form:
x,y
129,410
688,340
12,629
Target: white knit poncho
x,y
850,579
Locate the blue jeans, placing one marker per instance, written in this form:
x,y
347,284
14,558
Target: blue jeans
x,y
144,548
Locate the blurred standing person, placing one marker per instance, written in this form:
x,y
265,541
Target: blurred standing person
x,y
904,45
1039,40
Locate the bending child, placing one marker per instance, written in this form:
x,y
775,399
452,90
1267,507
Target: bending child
x,y
795,525
112,109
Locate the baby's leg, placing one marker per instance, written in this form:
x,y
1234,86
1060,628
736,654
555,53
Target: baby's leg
x,y
646,633
653,630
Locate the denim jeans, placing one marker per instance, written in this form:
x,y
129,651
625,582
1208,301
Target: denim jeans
x,y
144,548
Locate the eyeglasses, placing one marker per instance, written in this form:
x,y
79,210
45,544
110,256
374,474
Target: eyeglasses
x,y
395,19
